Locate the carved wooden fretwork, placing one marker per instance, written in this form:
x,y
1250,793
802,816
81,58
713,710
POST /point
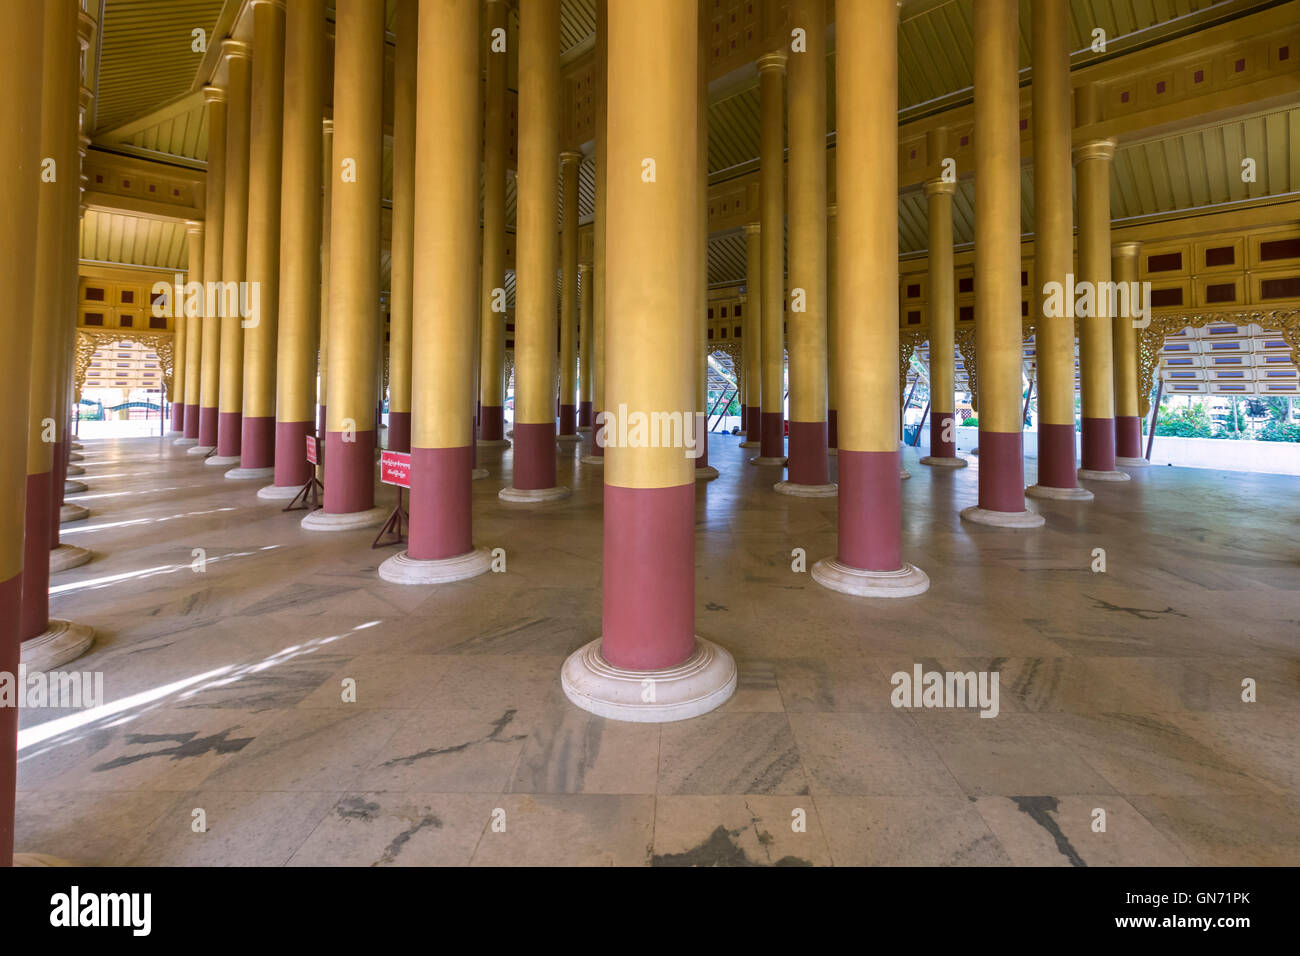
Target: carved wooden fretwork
x,y
90,341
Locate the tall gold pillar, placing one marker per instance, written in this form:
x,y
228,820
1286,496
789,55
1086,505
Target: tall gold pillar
x,y
808,469
193,354
492,298
536,255
585,340
771,92
213,249
403,254
234,252
266,152
1053,253
599,228
753,335
648,584
703,470
298,332
328,175
1128,421
354,269
943,318
832,332
570,161
998,339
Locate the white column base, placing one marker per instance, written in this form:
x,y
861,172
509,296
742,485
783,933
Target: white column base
x,y
568,438
76,446
806,491
278,492
1091,474
321,520
74,456
62,641
707,473
1058,494
248,474
75,470
943,461
185,442
493,443
401,568
772,461
750,444
904,474
1122,462
907,581
533,496
70,512
222,460
200,449
74,487
173,432
593,460
67,556
1003,519
478,474
696,686
583,429
510,433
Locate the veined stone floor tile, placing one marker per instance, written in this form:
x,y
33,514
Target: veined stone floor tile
x,y
729,830
399,829
1065,831
572,751
869,754
571,829
452,751
929,829
730,753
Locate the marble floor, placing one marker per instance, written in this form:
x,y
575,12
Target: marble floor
x,y
224,738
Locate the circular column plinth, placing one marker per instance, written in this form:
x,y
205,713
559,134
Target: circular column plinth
x,y
278,492
707,473
904,474
185,442
322,520
942,461
1003,519
533,496
568,438
750,444
75,470
696,686
76,446
1058,494
583,429
774,462
592,459
200,449
806,491
248,474
71,512
67,556
1089,474
62,641
510,433
401,568
478,474
907,581
222,460
493,443
1132,462
73,456
74,487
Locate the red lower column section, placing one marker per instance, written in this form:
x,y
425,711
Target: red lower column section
x,y
1097,448
257,445
229,432
807,462
208,426
568,420
754,426
399,431
1128,436
191,428
440,503
10,601
36,557
584,414
832,429
870,510
491,423
773,440
1002,471
178,417
534,458
1057,467
941,424
291,465
349,473
648,588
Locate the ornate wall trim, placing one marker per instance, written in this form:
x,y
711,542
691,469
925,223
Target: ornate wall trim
x,y
89,341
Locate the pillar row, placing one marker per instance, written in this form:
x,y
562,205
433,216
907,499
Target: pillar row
x,y
213,249
832,331
1124,337
753,335
492,351
570,162
195,233
943,317
771,91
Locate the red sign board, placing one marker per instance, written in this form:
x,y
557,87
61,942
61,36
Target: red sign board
x,y
311,449
395,468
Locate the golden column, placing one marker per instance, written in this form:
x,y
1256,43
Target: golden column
x,y
570,161
266,152
1128,422
809,473
492,299
192,358
771,90
234,251
598,228
648,587
832,331
1096,363
753,329
403,252
298,334
869,553
536,255
943,317
354,270
998,332
213,246
703,470
585,340
47,643
1053,253
328,174
180,339
21,52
